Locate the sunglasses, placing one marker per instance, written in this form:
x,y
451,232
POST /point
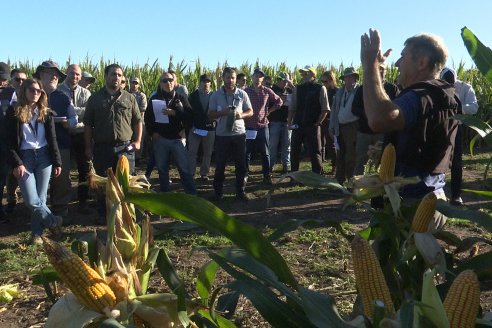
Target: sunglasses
x,y
19,79
35,91
325,81
123,82
165,80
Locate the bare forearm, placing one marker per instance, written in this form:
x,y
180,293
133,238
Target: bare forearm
x,y
138,132
382,114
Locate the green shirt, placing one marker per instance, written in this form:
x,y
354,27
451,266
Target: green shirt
x,y
112,117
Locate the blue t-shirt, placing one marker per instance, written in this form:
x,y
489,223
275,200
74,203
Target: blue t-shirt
x,y
409,105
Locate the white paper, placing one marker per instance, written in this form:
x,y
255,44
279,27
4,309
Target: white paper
x,y
159,106
59,119
200,132
251,134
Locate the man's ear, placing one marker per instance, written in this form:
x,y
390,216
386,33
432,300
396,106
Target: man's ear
x,y
423,63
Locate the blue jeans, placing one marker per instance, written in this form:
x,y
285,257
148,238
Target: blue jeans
x,y
34,188
163,150
261,143
280,134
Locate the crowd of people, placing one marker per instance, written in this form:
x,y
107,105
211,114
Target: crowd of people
x,y
51,118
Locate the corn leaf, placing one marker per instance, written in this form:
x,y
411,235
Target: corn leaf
x,y
483,219
205,280
480,192
69,313
481,54
321,310
219,320
176,284
268,304
200,211
480,264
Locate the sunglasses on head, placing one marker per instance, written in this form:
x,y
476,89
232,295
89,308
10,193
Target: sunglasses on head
x,y
166,80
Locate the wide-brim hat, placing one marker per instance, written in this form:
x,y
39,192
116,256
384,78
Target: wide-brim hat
x,y
349,71
49,64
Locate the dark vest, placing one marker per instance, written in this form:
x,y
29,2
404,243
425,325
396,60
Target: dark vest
x,y
430,142
308,106
59,103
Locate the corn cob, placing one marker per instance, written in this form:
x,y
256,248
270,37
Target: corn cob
x,y
86,284
425,213
463,300
369,277
387,167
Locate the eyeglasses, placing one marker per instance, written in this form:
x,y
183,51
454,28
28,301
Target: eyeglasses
x,y
36,91
166,80
19,79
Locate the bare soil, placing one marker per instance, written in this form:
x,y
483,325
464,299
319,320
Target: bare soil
x,y
286,203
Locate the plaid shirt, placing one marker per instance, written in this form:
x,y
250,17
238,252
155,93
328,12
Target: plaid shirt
x,y
260,101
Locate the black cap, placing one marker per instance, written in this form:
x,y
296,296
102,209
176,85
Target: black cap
x,y
259,71
205,77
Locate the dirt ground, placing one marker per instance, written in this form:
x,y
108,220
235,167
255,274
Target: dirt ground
x,y
286,203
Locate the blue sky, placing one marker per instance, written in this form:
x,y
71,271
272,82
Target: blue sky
x,y
295,32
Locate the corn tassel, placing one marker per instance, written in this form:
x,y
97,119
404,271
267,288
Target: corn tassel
x,y
425,213
369,277
463,300
387,166
87,285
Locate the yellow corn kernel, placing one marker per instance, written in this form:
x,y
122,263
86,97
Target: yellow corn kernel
x,y
87,285
369,277
387,166
425,213
463,300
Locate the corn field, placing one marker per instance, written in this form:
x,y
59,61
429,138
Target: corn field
x,y
188,75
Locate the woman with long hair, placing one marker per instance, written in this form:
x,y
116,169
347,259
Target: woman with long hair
x,y
33,153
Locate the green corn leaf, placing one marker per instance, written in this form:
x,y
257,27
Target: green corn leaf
x,y
205,280
480,264
481,54
176,284
200,211
483,219
219,320
268,304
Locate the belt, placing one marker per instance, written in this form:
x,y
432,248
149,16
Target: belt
x,y
113,144
121,143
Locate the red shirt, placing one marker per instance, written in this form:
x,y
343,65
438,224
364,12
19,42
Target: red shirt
x,y
259,101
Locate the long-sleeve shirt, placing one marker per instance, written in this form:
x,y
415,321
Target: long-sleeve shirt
x,y
79,97
466,95
259,101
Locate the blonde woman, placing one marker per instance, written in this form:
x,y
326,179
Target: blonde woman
x,y
34,155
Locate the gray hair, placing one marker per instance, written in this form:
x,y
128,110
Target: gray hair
x,y
431,46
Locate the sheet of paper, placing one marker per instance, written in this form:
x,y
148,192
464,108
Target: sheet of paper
x,y
200,132
159,106
251,134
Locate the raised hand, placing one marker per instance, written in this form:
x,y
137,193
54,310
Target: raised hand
x,y
370,48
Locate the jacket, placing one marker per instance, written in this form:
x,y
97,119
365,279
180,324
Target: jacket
x,y
199,115
14,139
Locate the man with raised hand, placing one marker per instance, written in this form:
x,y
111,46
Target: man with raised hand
x,y
418,120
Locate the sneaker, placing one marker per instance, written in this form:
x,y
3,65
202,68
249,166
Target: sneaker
x,y
242,196
457,201
267,179
285,169
36,240
204,178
